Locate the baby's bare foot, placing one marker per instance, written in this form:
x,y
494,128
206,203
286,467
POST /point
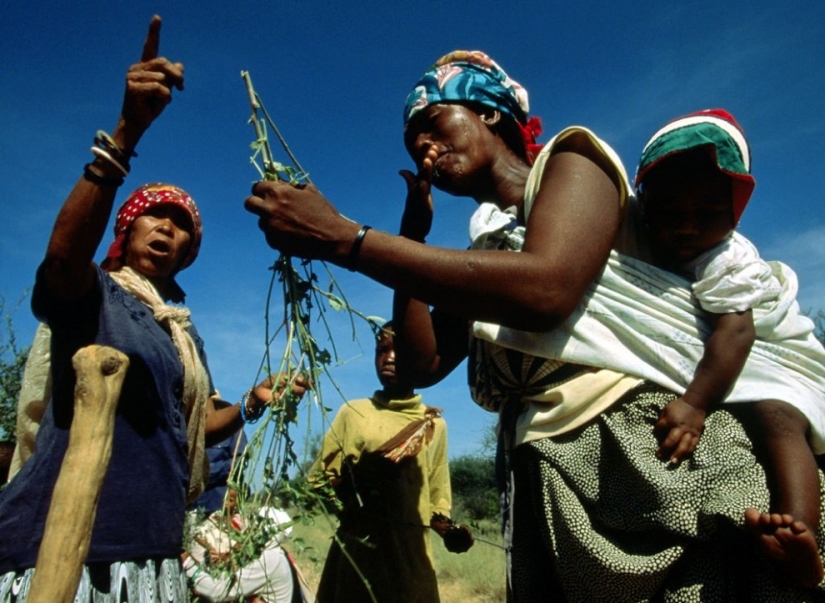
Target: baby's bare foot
x,y
789,543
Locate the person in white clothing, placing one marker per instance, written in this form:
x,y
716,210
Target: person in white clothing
x,y
269,578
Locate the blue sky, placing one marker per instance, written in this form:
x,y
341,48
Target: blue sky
x,y
334,76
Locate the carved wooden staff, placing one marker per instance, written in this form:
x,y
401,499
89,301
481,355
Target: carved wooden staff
x,y
100,372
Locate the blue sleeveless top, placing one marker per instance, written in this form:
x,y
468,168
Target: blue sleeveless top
x,y
143,498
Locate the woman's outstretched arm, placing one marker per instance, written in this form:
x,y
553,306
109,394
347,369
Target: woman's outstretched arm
x,y
570,233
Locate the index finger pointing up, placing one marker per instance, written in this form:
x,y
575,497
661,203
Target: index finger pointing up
x,y
152,43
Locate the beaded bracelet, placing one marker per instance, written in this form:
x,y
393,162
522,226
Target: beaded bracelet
x,y
92,176
355,250
247,418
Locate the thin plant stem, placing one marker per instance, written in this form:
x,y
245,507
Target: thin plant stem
x,y
270,455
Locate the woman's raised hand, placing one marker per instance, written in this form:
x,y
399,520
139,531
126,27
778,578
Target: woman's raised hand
x,y
418,210
149,83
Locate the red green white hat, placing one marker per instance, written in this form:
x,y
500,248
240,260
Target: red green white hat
x,y
715,129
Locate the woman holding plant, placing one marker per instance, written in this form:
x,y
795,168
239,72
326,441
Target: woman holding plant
x,y
592,514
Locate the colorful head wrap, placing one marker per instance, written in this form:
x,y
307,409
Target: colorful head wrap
x,y
468,76
141,200
715,129
472,76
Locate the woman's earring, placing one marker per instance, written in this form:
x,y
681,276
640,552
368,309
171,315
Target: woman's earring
x,y
492,119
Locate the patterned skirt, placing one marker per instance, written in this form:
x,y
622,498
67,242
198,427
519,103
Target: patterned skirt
x,y
151,581
597,517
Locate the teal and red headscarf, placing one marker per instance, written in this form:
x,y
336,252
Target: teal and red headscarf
x,y
470,76
718,132
141,200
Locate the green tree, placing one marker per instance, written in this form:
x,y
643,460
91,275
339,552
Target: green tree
x,y
473,483
473,480
12,362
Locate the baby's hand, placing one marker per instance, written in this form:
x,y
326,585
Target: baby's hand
x,y
678,430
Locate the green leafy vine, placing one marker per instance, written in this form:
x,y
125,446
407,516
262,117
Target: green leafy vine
x,y
270,456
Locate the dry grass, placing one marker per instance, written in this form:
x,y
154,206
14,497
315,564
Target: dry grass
x,y
476,576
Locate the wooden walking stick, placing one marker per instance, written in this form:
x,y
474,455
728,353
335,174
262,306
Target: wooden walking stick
x,y
100,372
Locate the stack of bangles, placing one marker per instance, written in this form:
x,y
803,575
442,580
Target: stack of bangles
x,y
106,149
248,415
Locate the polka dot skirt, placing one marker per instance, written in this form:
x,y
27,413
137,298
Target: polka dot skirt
x,y
597,517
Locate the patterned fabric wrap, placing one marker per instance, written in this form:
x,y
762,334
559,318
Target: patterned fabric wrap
x,y
411,439
468,76
140,581
724,138
141,200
